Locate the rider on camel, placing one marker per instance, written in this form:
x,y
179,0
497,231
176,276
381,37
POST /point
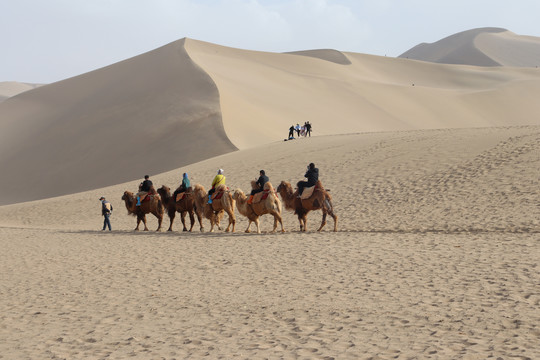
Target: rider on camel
x,y
144,188
219,179
263,179
312,175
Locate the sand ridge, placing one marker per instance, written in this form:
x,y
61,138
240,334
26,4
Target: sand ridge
x,y
140,116
480,47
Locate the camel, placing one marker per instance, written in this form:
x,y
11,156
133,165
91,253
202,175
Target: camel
x,y
154,206
320,200
270,205
185,206
214,211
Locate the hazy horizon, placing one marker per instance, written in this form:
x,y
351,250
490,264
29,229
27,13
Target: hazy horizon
x,y
52,41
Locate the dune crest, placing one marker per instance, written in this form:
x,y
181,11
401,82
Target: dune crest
x,y
12,88
480,47
191,100
324,54
145,115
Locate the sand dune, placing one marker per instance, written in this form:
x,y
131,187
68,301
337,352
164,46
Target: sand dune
x,y
481,47
142,115
436,256
111,125
12,88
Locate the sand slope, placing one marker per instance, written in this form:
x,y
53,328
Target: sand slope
x,y
140,116
12,88
192,100
436,257
480,47
371,93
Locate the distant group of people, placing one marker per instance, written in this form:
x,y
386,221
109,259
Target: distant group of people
x,y
312,176
301,130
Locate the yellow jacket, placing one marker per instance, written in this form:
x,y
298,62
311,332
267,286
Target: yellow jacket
x,y
218,180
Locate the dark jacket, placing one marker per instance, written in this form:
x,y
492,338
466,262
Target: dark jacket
x,y
312,176
146,185
104,209
263,179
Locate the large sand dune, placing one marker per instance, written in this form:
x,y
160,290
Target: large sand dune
x,y
148,114
481,47
192,100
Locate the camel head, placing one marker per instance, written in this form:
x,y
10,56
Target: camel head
x,y
127,195
238,193
284,186
164,189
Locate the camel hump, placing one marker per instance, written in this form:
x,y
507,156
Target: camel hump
x,y
221,188
318,185
268,187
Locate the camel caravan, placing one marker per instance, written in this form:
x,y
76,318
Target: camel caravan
x,y
220,201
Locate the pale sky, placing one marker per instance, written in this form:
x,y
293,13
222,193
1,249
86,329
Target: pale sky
x,y
44,41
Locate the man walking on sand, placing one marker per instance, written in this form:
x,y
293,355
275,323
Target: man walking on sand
x,y
106,210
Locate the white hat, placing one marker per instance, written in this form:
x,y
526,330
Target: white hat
x,y
220,171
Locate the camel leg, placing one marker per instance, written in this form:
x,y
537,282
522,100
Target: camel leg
x,y
334,216
183,217
277,217
138,223
249,224
300,220
258,227
323,222
212,222
172,215
160,220
201,224
191,220
232,221
144,222
219,216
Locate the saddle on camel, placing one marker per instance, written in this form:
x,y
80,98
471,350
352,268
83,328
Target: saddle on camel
x,y
302,204
262,195
218,193
146,190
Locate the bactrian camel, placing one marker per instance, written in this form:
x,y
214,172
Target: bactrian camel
x,y
153,205
320,200
214,211
184,206
271,205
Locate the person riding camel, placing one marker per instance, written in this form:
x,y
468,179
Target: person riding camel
x,y
186,184
312,175
219,179
144,189
263,179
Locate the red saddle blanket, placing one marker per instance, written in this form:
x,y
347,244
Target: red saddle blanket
x,y
260,196
219,194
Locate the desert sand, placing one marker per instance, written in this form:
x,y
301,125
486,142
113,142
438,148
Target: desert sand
x,y
436,188
436,256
